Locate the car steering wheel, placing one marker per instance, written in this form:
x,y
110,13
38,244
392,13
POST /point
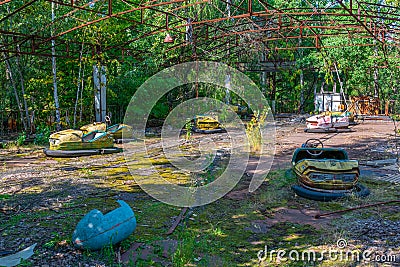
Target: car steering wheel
x,y
313,143
108,120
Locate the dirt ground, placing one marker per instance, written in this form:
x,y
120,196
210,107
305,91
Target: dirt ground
x,y
42,199
368,140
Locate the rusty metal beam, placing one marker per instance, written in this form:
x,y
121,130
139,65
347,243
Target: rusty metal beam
x,y
346,32
116,15
376,4
357,19
288,22
46,40
17,10
250,7
215,49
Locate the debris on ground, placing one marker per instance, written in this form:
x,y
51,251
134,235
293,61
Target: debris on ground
x,y
376,231
147,252
15,259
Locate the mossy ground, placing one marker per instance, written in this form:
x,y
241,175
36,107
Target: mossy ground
x,y
42,203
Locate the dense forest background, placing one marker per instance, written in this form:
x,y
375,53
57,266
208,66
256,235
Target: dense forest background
x,y
27,100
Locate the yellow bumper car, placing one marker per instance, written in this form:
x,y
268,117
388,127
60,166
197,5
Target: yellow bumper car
x,y
207,124
75,143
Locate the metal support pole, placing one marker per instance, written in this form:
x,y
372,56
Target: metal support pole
x,y
250,7
228,89
54,72
97,93
103,93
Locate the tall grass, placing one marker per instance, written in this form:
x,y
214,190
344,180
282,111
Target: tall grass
x,y
253,131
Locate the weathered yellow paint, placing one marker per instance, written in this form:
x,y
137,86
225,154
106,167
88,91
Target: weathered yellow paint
x,y
75,140
95,126
206,123
116,130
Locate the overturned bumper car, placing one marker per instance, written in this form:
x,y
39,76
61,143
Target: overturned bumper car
x,y
207,124
97,230
75,143
325,174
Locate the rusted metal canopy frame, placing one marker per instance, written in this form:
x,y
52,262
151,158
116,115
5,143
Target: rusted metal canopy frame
x,y
36,40
244,44
318,36
242,50
296,36
323,35
281,32
40,40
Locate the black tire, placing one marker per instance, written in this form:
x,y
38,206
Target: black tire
x,y
124,140
219,130
321,130
80,153
110,150
360,191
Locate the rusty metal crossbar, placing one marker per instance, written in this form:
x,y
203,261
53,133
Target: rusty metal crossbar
x,y
233,27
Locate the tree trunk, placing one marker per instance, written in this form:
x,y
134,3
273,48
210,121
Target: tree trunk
x,y
322,87
21,77
273,86
100,82
315,96
228,89
263,74
15,92
96,83
376,82
54,70
301,107
82,86
13,84
334,87
103,93
263,82
79,85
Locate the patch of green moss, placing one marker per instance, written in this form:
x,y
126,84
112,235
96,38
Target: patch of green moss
x,y
5,196
213,235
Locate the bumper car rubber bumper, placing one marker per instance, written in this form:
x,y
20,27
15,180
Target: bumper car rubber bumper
x,y
80,153
358,191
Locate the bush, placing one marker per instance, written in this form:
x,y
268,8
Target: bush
x,y
21,139
42,135
253,131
